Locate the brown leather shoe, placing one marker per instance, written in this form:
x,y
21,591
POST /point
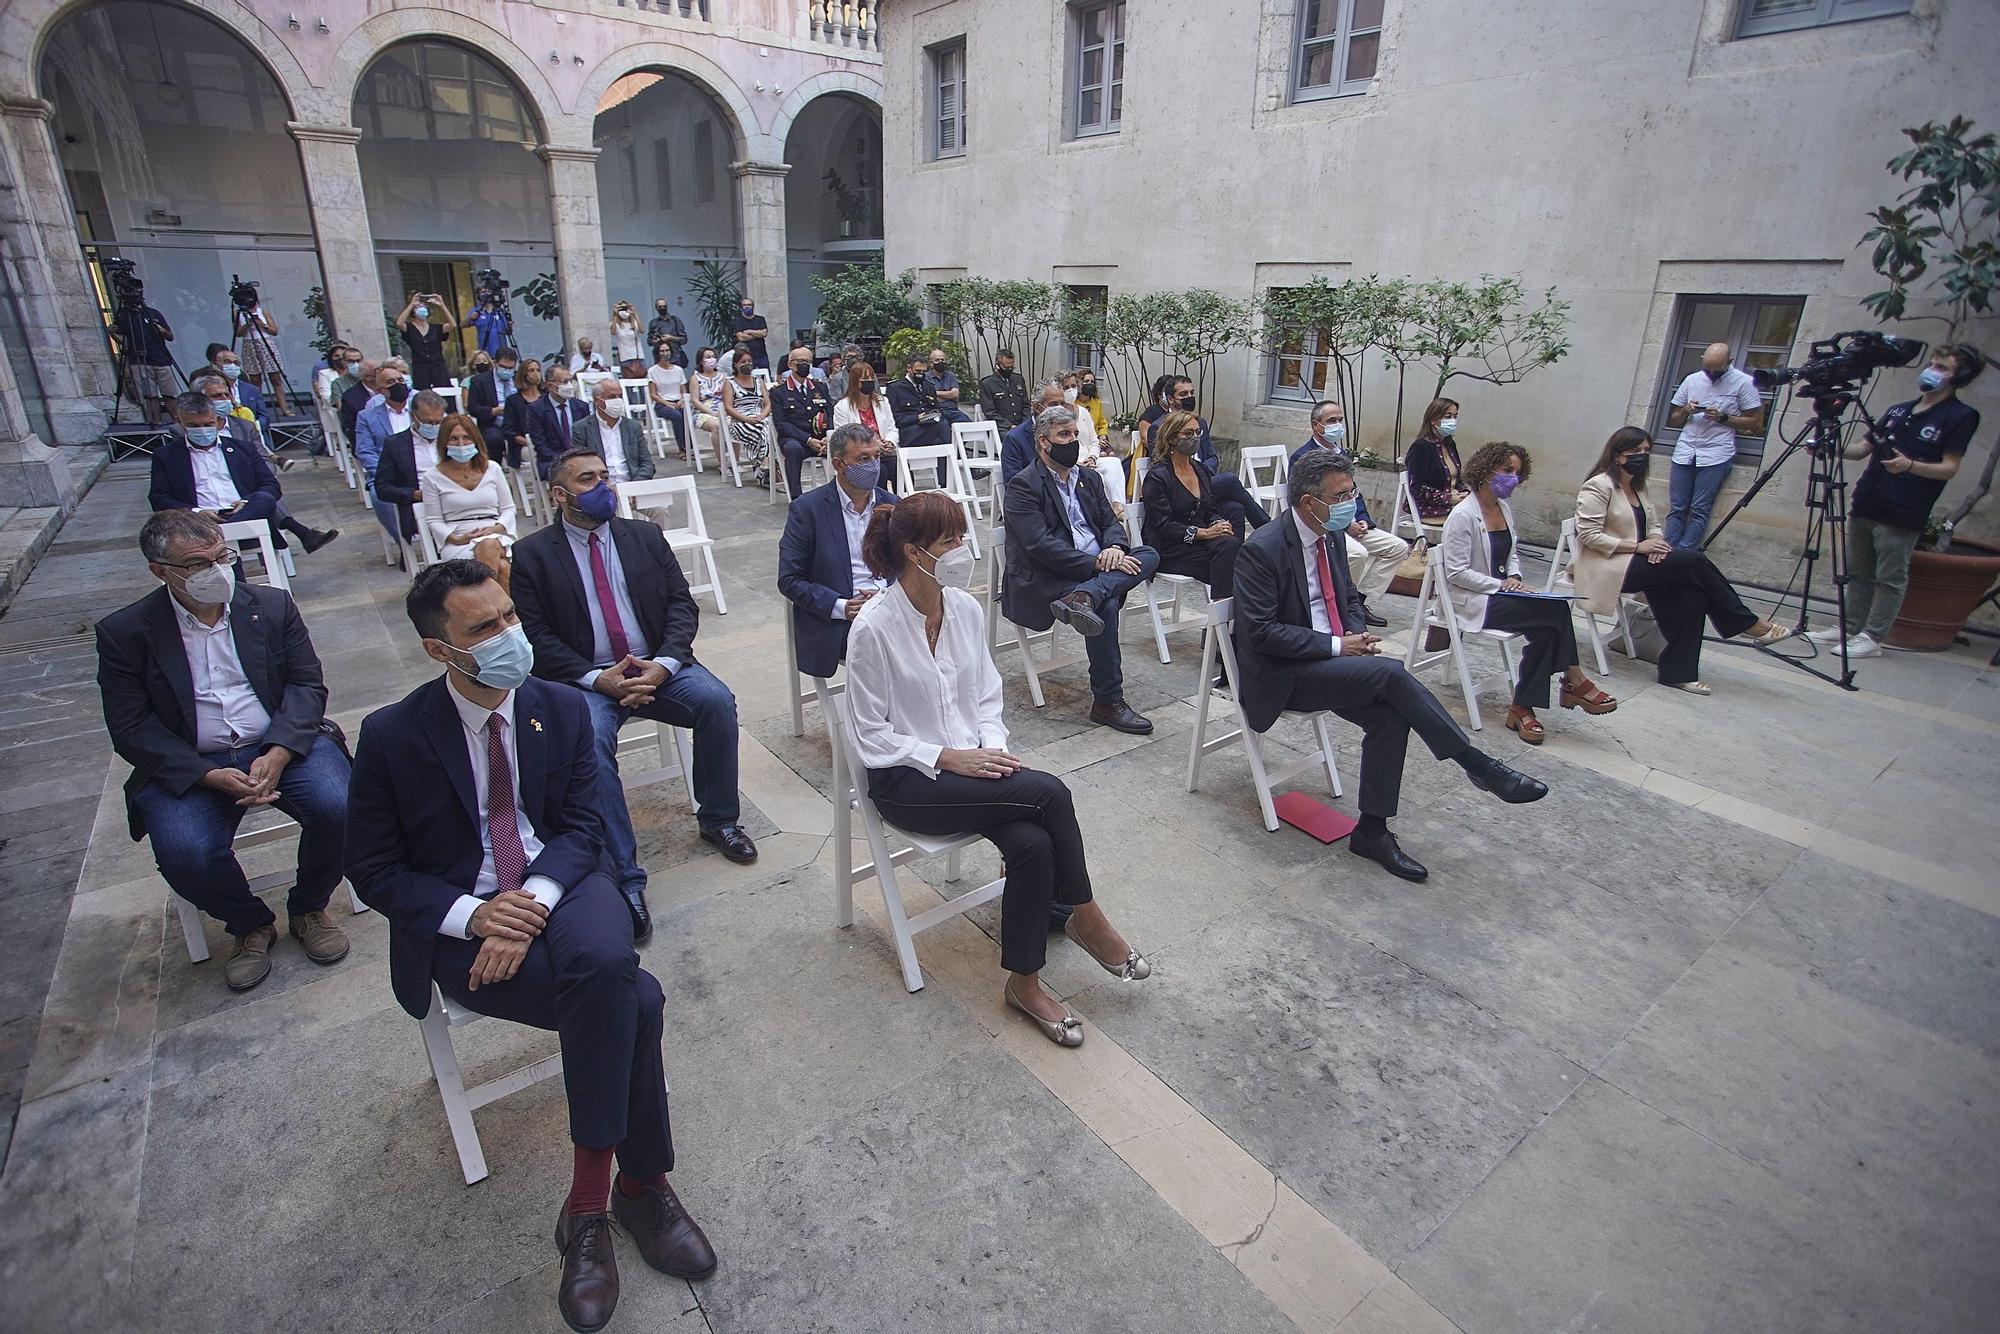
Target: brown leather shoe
x,y
250,962
323,941
588,1293
668,1239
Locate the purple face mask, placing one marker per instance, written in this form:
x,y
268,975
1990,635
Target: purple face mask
x,y
1504,483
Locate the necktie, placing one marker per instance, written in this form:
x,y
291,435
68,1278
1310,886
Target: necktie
x,y
510,859
600,578
1326,586
562,418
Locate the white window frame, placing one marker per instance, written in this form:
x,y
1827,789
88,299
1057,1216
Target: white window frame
x,y
1343,37
947,71
1112,26
1818,14
1742,323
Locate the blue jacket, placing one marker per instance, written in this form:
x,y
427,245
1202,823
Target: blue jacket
x,y
251,397
371,430
1360,501
173,478
814,571
1017,449
413,816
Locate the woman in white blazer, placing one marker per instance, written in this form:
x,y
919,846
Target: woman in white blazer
x,y
1482,572
861,404
1682,586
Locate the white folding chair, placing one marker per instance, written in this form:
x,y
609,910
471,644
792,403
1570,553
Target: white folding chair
x,y
1621,621
336,444
1404,521
1216,645
424,549
278,831
1253,459
978,447
1434,609
657,496
1025,639
928,457
1177,617
850,794
459,1101
253,538
526,486
676,756
816,687
639,407
452,397
689,418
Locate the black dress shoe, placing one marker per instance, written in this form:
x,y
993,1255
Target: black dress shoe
x,y
642,916
1368,615
1384,851
1510,785
1076,611
668,1239
313,541
1118,715
735,844
588,1292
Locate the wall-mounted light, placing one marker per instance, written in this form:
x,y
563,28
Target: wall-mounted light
x,y
577,61
320,26
554,59
292,22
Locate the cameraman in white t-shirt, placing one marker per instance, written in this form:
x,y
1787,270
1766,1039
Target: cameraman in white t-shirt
x,y
1709,408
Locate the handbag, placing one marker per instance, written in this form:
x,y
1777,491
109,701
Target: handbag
x,y
1409,579
1646,634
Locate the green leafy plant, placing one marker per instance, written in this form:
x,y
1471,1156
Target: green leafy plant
x,y
862,303
316,311
1339,322
905,343
1487,330
990,314
1204,325
1945,222
540,296
718,293
851,201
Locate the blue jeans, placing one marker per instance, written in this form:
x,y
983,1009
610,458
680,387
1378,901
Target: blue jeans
x,y
1107,591
692,697
1691,494
191,836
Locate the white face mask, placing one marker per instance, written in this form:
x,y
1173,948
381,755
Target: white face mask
x,y
212,587
1069,395
560,389
954,568
614,408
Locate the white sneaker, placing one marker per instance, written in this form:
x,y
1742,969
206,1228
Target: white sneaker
x,y
1829,634
1863,645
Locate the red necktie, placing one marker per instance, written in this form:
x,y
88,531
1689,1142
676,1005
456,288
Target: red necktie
x,y
607,603
562,416
510,859
1326,586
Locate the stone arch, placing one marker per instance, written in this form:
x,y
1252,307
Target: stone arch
x,y
378,34
638,57
819,85
25,27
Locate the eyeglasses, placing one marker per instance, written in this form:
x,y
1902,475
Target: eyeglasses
x,y
228,558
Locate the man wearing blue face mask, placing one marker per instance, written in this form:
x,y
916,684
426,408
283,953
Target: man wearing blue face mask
x,y
399,469
205,469
485,394
1373,554
820,568
476,832
608,610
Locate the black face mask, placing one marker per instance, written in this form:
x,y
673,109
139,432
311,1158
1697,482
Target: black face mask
x,y
1636,466
1185,403
1086,391
398,394
1065,455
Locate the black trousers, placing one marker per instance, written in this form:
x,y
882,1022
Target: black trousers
x,y
1027,815
1551,635
1379,696
1683,589
1214,561
1235,503
582,979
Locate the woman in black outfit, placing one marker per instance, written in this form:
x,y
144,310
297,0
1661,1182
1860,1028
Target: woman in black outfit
x,y
426,340
1436,483
1182,523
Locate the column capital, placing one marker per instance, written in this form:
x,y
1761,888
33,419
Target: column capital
x,y
742,169
306,132
36,108
565,153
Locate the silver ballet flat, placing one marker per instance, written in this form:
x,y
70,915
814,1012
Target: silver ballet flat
x,y
1068,1032
1136,968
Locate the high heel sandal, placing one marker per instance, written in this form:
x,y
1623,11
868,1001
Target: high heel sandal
x,y
1692,687
1067,1032
1776,634
1590,699
1524,722
1135,968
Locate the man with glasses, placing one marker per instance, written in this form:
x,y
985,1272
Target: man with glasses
x,y
213,694
242,432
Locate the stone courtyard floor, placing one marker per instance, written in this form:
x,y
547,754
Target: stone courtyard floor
x,y
1707,1040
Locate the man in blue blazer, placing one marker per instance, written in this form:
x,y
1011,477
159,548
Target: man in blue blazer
x,y
399,471
203,469
387,414
563,422
230,367
243,434
485,396
1373,554
473,827
819,557
1017,447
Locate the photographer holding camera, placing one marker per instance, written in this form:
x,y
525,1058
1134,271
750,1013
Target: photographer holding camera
x,y
1915,449
252,330
426,340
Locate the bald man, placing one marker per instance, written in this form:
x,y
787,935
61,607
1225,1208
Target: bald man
x,y
1709,408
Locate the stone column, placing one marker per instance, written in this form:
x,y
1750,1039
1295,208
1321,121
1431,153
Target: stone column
x,y
580,284
32,474
69,324
760,195
340,227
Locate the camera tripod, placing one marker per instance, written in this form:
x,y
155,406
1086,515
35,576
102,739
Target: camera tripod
x,y
1826,518
269,350
129,324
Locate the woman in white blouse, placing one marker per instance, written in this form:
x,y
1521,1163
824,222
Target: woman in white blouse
x,y
1481,555
467,502
925,699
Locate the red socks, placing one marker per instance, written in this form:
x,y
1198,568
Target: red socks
x,y
589,1182
632,1189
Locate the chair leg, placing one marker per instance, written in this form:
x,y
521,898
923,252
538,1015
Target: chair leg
x,y
1207,692
354,903
843,828
798,698
892,903
1327,756
1028,662
1597,643
191,928
1465,682
1253,747
1159,630
451,1090
715,578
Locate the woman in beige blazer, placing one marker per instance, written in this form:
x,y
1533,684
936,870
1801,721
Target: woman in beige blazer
x,y
1682,586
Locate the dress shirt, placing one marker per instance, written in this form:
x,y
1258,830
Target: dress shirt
x,y
227,712
1080,531
600,637
909,704
398,421
858,570
472,718
1704,441
214,488
611,443
1322,615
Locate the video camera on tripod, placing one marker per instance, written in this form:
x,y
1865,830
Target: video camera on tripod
x,y
122,274
488,287
243,292
1838,365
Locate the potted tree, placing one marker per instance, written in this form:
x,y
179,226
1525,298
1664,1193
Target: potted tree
x,y
1943,228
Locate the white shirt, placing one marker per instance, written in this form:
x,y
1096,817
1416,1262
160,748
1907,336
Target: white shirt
x,y
1704,441
668,381
227,712
214,488
577,363
546,892
398,421
909,705
857,568
611,442
1322,615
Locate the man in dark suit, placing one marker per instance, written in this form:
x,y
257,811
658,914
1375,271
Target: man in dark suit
x,y
1373,554
229,366
244,434
564,422
1068,560
356,397
1302,643
399,469
1003,395
202,469
914,403
213,694
819,557
801,413
474,829
608,611
485,395
1017,447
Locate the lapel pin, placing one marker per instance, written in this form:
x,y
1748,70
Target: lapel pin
x,y
535,723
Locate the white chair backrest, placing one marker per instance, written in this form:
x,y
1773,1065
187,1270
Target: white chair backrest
x,y
1277,459
661,493
976,440
258,533
452,398
636,396
1565,555
1220,615
762,379
928,456
426,544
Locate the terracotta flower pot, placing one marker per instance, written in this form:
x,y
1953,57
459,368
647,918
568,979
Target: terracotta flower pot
x,y
1944,588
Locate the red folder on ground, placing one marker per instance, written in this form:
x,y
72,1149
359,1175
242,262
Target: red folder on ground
x,y
1314,816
